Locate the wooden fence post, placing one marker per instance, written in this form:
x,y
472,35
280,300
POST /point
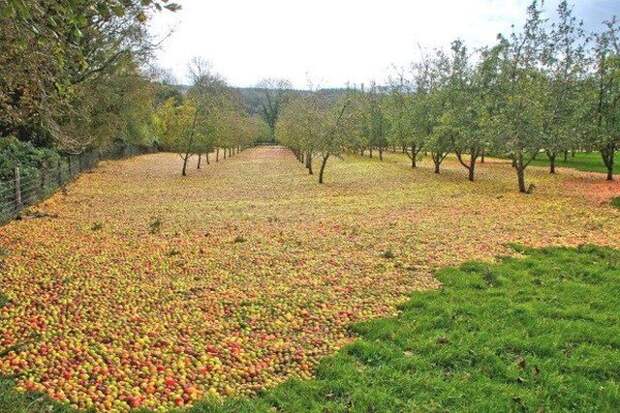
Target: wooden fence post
x,y
43,178
59,171
18,189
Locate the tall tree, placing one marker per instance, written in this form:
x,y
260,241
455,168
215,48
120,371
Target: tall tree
x,y
564,64
50,49
461,118
433,101
520,118
404,125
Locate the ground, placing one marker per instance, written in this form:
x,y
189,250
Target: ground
x,y
139,287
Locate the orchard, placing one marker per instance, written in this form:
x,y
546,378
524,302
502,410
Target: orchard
x,y
254,272
446,239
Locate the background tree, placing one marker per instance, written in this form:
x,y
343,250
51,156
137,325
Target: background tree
x,y
402,112
520,118
212,98
320,126
177,127
463,115
275,93
564,64
299,127
335,131
52,53
605,94
377,122
432,100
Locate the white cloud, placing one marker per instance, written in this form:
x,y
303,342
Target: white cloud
x,y
334,42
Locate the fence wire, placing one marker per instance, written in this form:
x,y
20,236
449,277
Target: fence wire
x,y
29,186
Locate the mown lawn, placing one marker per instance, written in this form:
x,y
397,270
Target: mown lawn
x,y
539,333
582,161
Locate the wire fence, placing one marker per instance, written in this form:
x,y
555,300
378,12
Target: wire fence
x,y
30,186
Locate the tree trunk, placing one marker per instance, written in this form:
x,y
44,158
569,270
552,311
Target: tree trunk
x,y
309,163
184,171
323,163
199,161
471,166
413,156
224,153
207,158
380,154
370,150
437,159
551,157
521,178
565,156
607,153
482,156
217,154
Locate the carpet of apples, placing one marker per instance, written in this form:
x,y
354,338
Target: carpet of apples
x,y
142,288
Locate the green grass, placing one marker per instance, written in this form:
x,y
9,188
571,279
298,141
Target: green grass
x,y
537,333
616,202
540,333
13,402
588,162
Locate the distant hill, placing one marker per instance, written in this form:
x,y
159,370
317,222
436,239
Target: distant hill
x,y
252,97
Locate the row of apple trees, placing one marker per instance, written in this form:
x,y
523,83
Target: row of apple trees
x,y
541,91
208,118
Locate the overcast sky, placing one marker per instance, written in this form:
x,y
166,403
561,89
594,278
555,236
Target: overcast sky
x,y
332,42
